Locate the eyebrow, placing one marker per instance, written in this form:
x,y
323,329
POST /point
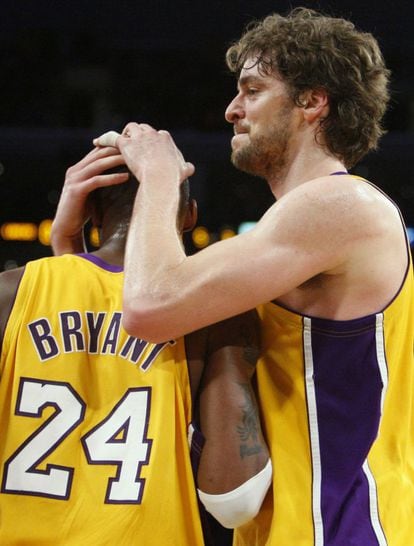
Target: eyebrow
x,y
245,80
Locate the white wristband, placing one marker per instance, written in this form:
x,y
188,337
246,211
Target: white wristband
x,y
242,504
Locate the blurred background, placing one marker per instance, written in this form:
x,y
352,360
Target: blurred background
x,y
71,70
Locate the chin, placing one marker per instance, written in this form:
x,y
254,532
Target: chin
x,y
243,163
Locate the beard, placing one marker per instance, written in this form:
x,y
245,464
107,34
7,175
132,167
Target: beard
x,y
266,154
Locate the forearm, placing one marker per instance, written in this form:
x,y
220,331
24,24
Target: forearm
x,y
235,471
154,247
234,449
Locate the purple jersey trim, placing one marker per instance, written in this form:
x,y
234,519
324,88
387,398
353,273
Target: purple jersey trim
x,y
101,263
196,447
344,386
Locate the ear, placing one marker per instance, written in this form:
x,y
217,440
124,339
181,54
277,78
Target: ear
x,y
315,104
191,214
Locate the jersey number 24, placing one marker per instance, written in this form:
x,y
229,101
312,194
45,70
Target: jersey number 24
x,y
120,439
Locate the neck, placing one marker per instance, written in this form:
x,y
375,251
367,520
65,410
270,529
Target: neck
x,y
112,251
303,167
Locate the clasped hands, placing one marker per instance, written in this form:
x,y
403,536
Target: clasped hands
x,y
146,150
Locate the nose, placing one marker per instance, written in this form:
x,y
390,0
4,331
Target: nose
x,y
234,110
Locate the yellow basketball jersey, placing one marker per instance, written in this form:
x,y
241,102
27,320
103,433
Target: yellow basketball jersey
x,y
93,436
337,400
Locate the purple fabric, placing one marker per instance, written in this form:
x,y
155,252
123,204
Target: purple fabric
x,y
101,263
348,389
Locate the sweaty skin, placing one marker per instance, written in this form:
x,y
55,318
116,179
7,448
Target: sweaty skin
x,y
312,250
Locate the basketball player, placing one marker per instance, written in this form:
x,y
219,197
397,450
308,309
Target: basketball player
x,y
95,423
328,267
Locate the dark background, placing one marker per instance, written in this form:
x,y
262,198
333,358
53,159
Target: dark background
x,y
70,70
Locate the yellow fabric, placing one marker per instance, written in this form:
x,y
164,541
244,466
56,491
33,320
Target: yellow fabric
x,y
392,457
93,444
289,515
282,401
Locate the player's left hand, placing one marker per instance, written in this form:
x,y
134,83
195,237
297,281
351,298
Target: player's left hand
x,y
80,180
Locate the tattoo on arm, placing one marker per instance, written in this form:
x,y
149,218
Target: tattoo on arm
x,y
249,429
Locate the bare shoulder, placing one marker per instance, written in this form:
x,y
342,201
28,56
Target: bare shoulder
x,y
9,282
329,207
353,240
356,209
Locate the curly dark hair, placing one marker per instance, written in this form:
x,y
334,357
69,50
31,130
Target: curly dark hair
x,y
310,50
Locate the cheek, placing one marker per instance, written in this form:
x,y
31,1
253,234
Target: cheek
x,y
259,118
260,127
